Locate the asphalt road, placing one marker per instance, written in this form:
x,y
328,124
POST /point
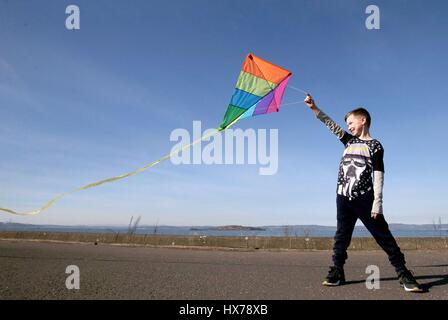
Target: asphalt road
x,y
37,270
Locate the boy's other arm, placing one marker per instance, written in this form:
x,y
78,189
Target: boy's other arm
x,y
329,123
378,182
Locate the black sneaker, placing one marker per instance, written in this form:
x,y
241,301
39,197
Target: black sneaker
x,y
335,277
408,281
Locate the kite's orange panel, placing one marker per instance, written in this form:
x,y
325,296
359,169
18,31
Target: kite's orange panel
x,y
264,69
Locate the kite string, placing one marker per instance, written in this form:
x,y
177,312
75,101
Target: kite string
x,y
297,89
126,175
290,103
295,102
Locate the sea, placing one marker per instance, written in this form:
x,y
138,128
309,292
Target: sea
x,y
398,230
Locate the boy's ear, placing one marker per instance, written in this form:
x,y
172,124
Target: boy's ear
x,y
363,120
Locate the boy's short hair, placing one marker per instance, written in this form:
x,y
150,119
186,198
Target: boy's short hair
x,y
360,112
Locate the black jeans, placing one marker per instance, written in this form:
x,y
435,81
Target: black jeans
x,y
348,211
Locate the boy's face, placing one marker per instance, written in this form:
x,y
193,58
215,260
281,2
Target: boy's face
x,y
356,124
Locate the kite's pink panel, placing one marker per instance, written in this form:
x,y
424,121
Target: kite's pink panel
x,y
271,102
278,95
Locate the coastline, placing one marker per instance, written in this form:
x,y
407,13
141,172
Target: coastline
x,y
221,242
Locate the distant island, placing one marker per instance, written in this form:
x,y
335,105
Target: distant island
x,y
228,228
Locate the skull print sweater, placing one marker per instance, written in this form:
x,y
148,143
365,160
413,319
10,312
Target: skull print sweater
x,y
361,160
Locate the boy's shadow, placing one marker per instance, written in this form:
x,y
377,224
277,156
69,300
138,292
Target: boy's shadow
x,y
442,279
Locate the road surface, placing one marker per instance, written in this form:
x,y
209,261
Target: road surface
x,y
37,270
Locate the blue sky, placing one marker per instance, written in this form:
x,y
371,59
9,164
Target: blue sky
x,y
78,106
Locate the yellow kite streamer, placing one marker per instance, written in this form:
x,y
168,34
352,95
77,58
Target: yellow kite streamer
x,y
123,176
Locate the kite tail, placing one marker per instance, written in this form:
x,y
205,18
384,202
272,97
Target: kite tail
x,y
123,176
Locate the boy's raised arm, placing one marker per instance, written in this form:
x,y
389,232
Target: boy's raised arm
x,y
333,126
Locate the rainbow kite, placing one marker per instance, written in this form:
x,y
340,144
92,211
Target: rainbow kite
x,y
259,90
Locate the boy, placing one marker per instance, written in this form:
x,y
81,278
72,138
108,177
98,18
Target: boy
x,y
360,197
